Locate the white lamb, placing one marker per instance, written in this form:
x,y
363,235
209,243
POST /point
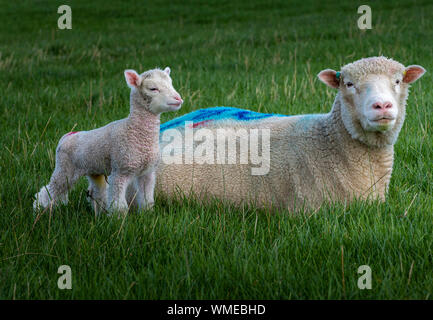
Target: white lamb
x,y
127,150
344,154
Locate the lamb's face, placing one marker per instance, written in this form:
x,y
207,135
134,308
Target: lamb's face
x,y
155,86
373,93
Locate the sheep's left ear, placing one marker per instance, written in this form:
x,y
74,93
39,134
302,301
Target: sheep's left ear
x,y
413,73
167,70
330,77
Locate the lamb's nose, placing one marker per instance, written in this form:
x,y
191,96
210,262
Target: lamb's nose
x,y
178,98
383,106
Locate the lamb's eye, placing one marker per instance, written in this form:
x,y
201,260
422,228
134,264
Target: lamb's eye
x,y
397,81
349,84
154,89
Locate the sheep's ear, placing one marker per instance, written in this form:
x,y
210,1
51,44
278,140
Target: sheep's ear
x,y
413,73
329,77
167,70
133,79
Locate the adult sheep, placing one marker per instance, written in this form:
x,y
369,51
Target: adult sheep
x,y
344,154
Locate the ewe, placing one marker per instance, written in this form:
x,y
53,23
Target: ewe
x,y
127,150
344,154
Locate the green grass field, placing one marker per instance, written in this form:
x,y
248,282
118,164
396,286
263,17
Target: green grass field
x,y
260,55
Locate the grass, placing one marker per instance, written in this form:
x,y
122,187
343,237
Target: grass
x,y
263,56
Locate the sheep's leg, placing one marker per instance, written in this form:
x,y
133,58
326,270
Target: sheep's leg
x,y
117,185
97,192
149,188
62,180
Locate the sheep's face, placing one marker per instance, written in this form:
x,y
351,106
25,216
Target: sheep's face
x,y
373,94
374,101
156,88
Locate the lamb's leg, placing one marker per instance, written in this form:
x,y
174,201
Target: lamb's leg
x,y
137,195
149,188
117,185
62,180
97,193
144,190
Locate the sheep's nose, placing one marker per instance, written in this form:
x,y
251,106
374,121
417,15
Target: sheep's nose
x,y
382,106
178,98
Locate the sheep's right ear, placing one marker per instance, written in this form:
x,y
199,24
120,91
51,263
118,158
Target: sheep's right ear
x,y
133,79
329,77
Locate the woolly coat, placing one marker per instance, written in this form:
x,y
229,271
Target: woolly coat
x,y
312,158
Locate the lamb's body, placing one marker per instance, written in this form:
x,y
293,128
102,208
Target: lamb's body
x,y
127,150
117,146
344,154
312,158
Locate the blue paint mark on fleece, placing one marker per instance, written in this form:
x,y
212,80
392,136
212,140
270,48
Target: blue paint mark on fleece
x,y
215,114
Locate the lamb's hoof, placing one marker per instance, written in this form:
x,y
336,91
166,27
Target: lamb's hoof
x,y
146,207
42,200
150,206
116,211
117,214
37,206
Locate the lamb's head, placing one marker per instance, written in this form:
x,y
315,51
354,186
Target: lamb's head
x,y
372,97
153,90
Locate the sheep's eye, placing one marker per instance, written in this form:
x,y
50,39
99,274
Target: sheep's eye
x,y
349,84
154,89
397,81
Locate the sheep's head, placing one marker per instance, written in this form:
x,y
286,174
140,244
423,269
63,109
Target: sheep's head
x,y
372,95
155,88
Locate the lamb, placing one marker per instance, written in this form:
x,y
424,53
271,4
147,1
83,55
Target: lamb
x,y
339,156
127,150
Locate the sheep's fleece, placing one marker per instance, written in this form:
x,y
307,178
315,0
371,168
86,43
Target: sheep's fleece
x,y
344,154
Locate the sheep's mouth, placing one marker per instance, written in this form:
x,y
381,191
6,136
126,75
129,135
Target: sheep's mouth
x,y
383,120
381,124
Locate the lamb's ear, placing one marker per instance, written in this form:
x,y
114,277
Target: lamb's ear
x,y
167,70
413,73
330,78
133,79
